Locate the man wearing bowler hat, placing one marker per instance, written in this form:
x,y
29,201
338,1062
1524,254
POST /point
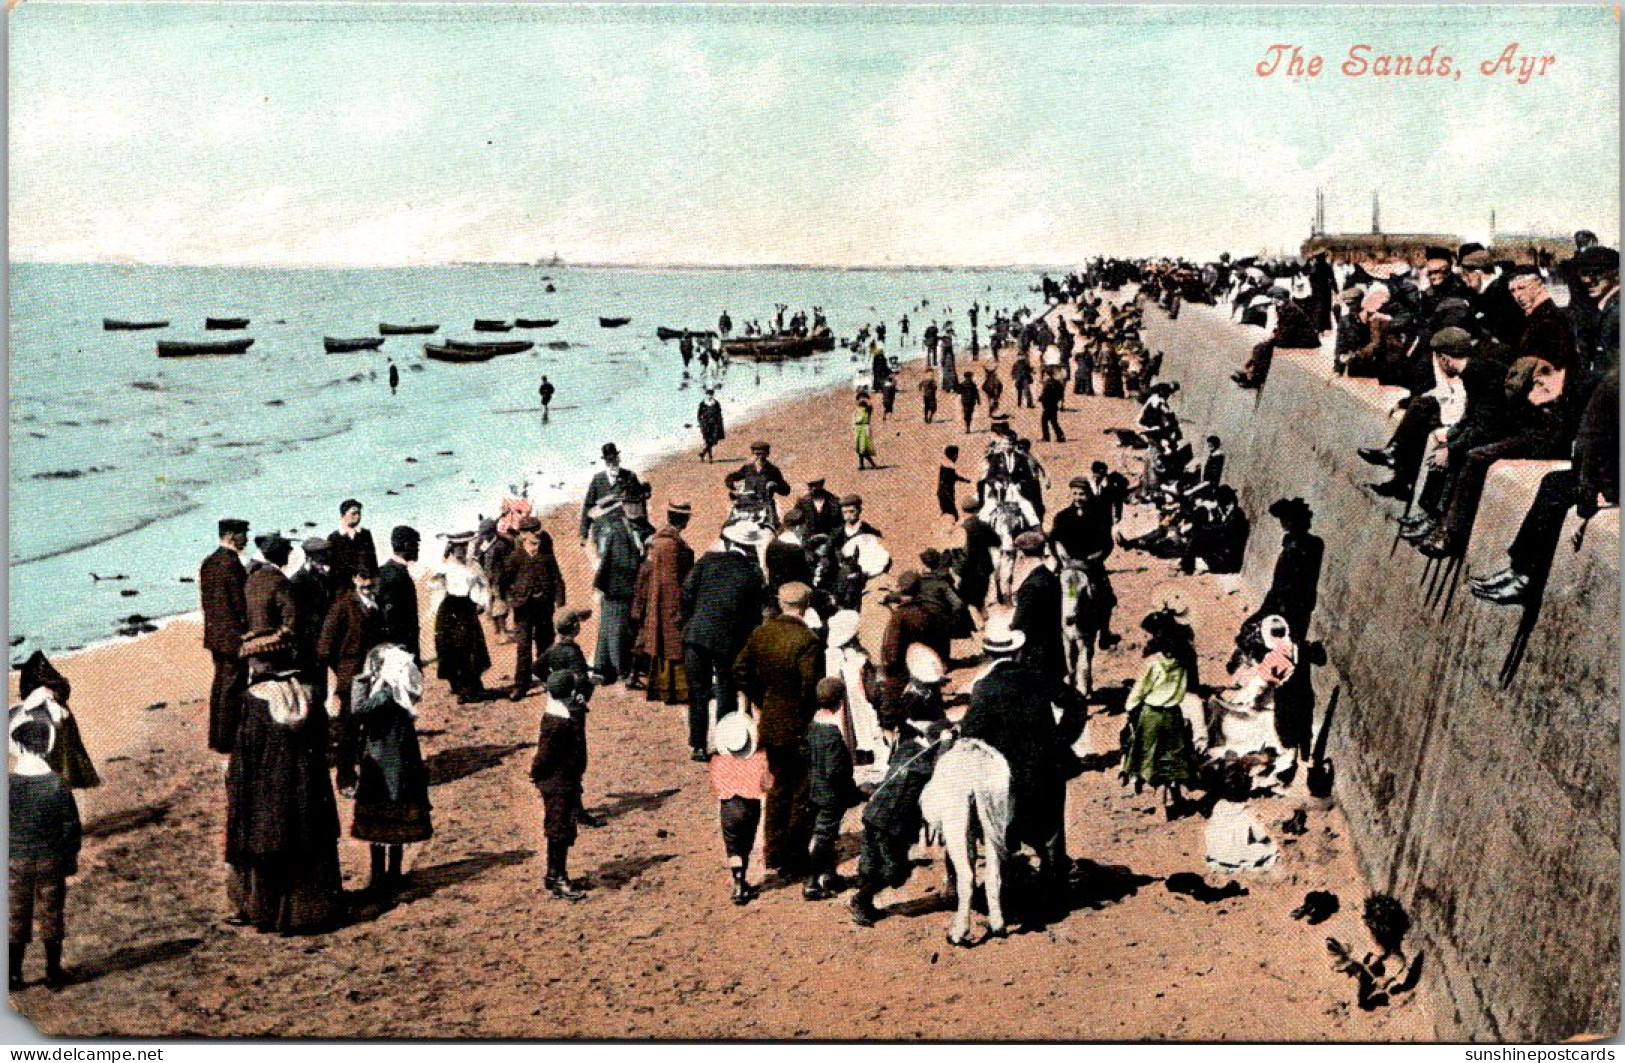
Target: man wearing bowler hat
x,y
612,480
222,585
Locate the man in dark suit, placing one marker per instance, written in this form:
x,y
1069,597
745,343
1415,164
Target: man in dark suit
x,y
271,610
722,604
222,585
534,588
613,480
353,627
1012,710
756,483
312,598
820,510
1050,396
1038,607
398,593
349,549
778,671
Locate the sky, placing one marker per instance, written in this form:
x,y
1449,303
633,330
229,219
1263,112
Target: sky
x,y
373,134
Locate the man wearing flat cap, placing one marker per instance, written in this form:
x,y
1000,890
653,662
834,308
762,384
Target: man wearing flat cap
x,y
534,588
1494,311
222,586
1596,270
612,480
754,485
820,510
398,593
1038,606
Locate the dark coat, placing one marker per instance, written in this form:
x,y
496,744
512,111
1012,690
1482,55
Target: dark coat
x,y
398,604
722,602
816,521
758,485
912,622
222,584
778,670
1546,334
44,823
709,418
350,632
347,556
976,568
829,769
1038,616
561,755
1051,394
620,555
533,582
622,485
1596,445
657,600
1083,531
269,597
312,598
392,792
1011,710
279,798
787,563
1293,328
1295,587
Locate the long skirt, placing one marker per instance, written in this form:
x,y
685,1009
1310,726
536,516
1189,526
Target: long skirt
x,y
1160,750
668,681
289,896
459,642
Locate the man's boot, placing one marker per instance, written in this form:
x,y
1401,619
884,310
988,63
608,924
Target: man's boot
x,y
18,953
743,891
55,976
862,906
379,868
558,873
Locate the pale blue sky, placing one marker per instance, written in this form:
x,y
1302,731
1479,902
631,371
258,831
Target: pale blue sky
x,y
392,134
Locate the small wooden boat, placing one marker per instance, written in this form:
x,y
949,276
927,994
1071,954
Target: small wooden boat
x,y
551,288
536,322
113,324
441,353
483,325
559,345
613,322
386,329
678,333
362,343
498,347
222,324
182,349
778,348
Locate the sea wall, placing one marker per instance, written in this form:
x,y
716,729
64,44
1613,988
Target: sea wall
x,y
1482,789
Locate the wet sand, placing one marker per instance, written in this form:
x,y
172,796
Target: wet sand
x,y
473,946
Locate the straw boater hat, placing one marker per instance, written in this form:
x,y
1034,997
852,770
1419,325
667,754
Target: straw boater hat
x,y
998,637
843,627
745,533
924,666
453,537
735,735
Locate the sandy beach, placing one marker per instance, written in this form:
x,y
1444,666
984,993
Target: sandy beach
x,y
473,946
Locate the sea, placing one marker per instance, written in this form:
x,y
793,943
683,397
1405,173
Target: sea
x,y
122,462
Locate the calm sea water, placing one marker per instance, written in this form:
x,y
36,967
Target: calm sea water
x,y
121,462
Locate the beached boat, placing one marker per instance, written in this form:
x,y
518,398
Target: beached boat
x,y
386,329
362,343
778,348
559,345
613,322
483,325
113,324
497,347
678,333
222,324
183,349
535,322
442,353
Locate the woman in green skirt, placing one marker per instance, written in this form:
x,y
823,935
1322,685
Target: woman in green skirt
x,y
1158,749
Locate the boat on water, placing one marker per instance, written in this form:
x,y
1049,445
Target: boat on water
x,y
484,325
444,353
495,347
343,346
185,349
386,329
559,345
223,324
779,347
662,332
113,324
535,322
551,288
613,322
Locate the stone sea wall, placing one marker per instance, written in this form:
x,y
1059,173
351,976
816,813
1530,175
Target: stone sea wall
x,y
1482,786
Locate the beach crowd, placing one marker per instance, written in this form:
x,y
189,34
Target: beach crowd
x,y
812,664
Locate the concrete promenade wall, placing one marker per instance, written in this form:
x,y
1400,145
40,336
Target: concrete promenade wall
x,y
1489,807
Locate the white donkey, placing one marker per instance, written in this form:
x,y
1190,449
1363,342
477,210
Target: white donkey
x,y
969,792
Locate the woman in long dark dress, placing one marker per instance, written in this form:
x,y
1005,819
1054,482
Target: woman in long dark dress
x,y
459,640
392,794
282,822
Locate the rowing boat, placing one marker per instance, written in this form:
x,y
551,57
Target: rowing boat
x,y
484,325
183,349
386,329
497,347
613,322
220,324
778,348
343,346
441,353
535,322
113,324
